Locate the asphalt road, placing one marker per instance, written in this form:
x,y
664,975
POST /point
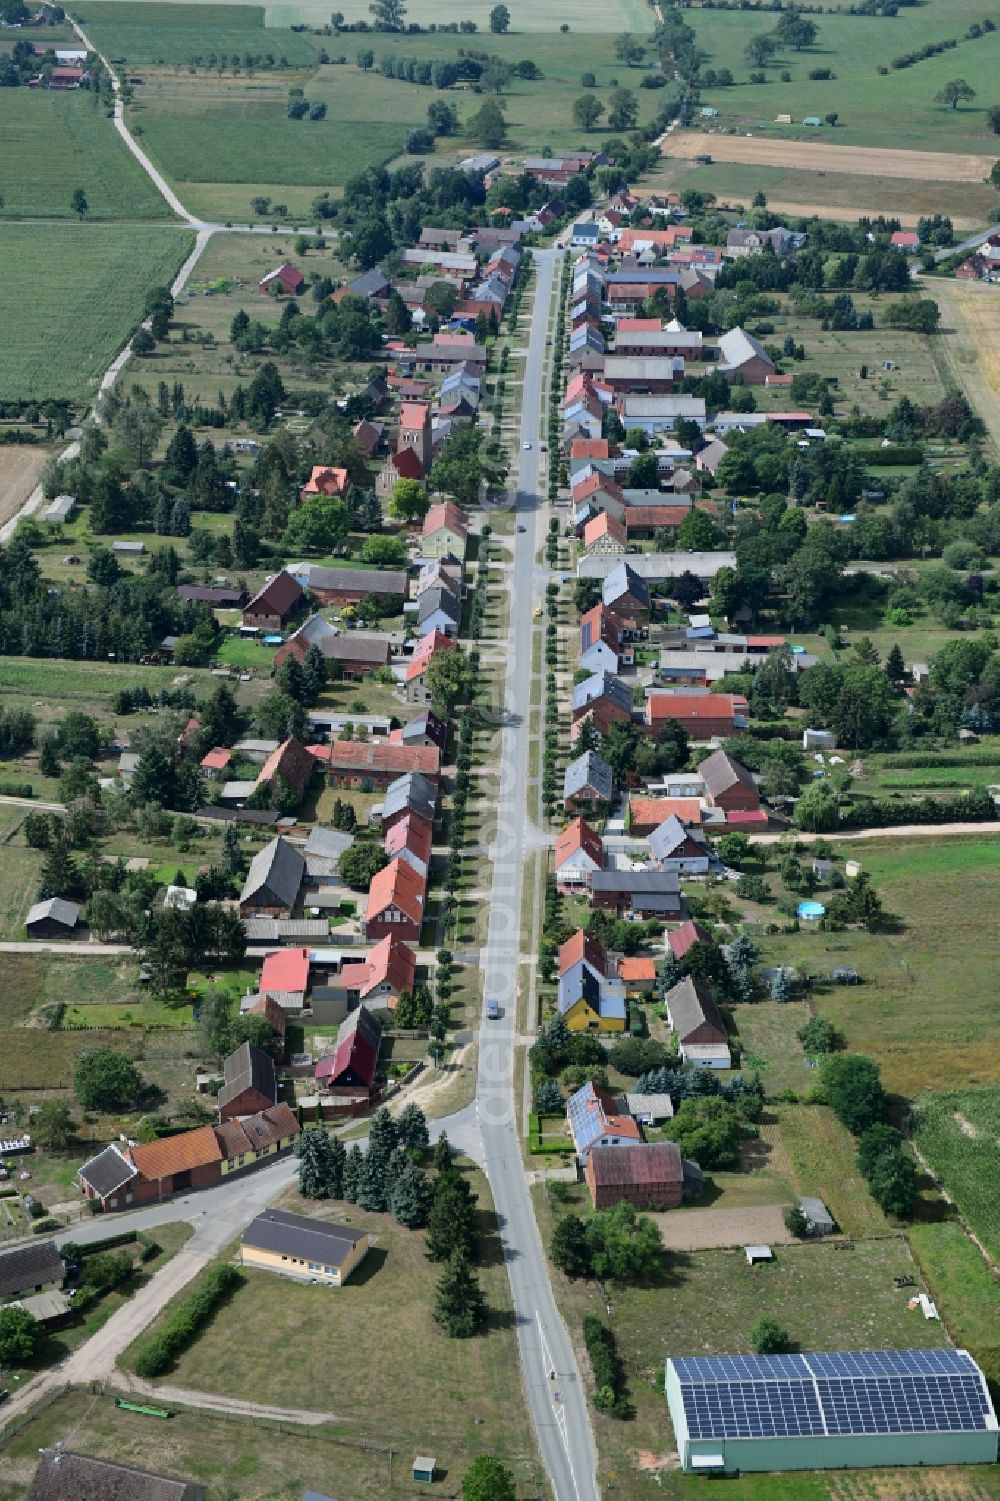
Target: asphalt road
x,y
554,1390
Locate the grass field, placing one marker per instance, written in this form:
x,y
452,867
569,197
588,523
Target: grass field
x,y
102,276
959,1134
56,142
408,1385
896,110
585,16
770,1046
961,1283
179,34
925,1030
85,684
823,1159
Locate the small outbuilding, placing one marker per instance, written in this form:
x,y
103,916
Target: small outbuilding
x,y
757,1254
819,1220
818,740
54,918
423,1468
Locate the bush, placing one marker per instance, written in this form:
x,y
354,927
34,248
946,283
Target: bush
x,y
769,1338
183,1324
818,1035
609,1377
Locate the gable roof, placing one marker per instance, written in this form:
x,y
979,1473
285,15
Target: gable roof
x,y
356,1050
381,757
55,909
248,1067
397,885
63,1476
720,772
592,1114
25,1267
671,836
685,936
624,580
107,1171
280,868
412,791
292,762
690,1004
653,810
737,347
581,946
284,969
602,685
176,1154
277,597
637,1164
579,838
445,514
602,525
299,1235
589,770
391,962
580,983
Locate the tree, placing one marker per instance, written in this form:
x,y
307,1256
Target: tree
x,y
624,1246
321,1170
106,1081
359,865
699,533
759,50
78,203
450,679
53,1126
865,708
411,1196
708,1131
488,126
795,30
548,1098
734,849
499,19
411,1127
388,14
817,810
587,110
353,1163
569,1248
143,342
852,1087
459,1305
956,91
893,1184
20,1336
409,501
487,1479
796,1223
628,49
767,1337
643,472
895,667
452,1220
623,111
817,1035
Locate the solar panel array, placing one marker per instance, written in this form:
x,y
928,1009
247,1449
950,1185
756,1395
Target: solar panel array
x,y
802,1396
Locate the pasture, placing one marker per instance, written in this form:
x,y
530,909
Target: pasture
x,y
923,1028
958,1132
895,110
102,276
57,142
179,34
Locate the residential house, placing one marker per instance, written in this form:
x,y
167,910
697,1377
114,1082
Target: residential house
x,y
604,534
409,795
685,936
34,1268
355,653
439,610
728,784
415,689
272,605
695,1018
675,847
594,1120
705,716
52,918
591,487
601,642
324,480
250,1083
588,782
369,765
906,239
424,729
637,974
64,1476
741,243
440,239
626,593
368,435
284,280
643,892
411,838
601,700
303,1247
395,902
579,852
273,881
349,1071
380,979
710,457
589,1002
740,354
446,354
647,1175
284,978
581,946
219,597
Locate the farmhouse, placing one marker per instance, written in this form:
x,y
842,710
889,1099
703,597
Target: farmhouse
x,y
64,1476
601,700
357,763
411,795
284,279
309,1249
740,354
648,1175
356,654
349,586
274,603
349,1071
326,481
271,888
34,1268
595,1121
284,976
250,1083
694,1016
601,650
396,902
626,593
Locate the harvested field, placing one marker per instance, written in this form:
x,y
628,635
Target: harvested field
x,y
19,471
817,156
970,312
718,1229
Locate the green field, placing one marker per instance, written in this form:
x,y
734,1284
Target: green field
x,y
959,1134
962,1284
178,34
61,348
57,142
583,16
895,110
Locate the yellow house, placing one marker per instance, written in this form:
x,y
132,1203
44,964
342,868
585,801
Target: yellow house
x,y
297,1246
445,530
255,1137
588,1004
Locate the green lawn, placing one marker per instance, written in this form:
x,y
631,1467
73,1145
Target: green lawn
x,y
967,1293
99,273
959,1134
770,1046
56,142
823,1158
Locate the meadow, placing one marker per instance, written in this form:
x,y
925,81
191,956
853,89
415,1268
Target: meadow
x,y
177,34
958,1132
57,142
897,109
61,348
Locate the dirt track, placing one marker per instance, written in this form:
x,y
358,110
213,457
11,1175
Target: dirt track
x,y
818,156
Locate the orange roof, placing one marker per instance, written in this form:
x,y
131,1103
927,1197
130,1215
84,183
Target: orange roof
x,y
285,969
661,238
390,961
217,759
367,755
656,515
426,647
603,525
639,326
694,705
326,481
292,762
765,641
579,946
413,414
397,885
636,970
411,833
591,484
177,1154
651,811
579,836
445,513
589,448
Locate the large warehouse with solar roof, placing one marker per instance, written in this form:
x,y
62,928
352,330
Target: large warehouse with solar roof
x,y
824,1412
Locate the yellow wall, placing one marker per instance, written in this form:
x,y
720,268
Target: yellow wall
x,y
233,1164
583,1018
272,1261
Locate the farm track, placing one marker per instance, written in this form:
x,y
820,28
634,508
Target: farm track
x,y
819,156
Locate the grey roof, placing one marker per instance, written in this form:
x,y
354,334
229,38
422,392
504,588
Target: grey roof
x,y
368,580
602,685
256,747
644,367
579,983
273,929
62,1476
280,868
720,772
690,1004
413,791
737,347
331,842
670,835
22,1269
665,405
815,1211
369,284
624,580
434,599
298,1235
658,565
55,909
589,770
249,1067
643,882
107,1172
650,1107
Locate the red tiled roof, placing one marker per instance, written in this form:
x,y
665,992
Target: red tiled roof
x,y
636,970
445,513
682,938
425,649
411,833
589,448
693,706
390,961
217,759
604,524
285,969
397,885
666,516
413,414
645,1164
579,836
292,762
749,818
367,755
176,1154
651,811
326,481
579,946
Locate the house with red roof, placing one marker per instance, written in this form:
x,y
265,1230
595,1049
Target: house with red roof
x,y
396,903
645,521
217,759
272,605
685,936
324,480
579,852
637,973
411,838
705,716
291,766
906,239
286,279
580,946
349,1071
385,972
445,531
415,688
591,487
354,763
284,977
605,535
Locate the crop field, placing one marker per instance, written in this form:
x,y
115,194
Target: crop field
x,y
924,1029
958,1132
823,156
586,16
180,34
19,471
57,142
896,110
102,276
970,350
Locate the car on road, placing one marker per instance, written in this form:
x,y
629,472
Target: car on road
x,y
492,1011
526,446
522,528
538,612
544,447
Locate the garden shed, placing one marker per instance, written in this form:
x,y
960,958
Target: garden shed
x,y
423,1468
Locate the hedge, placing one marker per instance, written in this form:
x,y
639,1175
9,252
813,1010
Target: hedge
x,y
17,789
894,454
609,1378
976,806
912,760
539,1147
183,1324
